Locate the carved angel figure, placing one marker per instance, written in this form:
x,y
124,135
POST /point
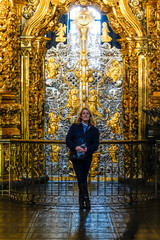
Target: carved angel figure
x,y
70,166
52,123
61,32
54,152
94,164
73,102
51,68
112,151
93,102
105,37
114,123
115,71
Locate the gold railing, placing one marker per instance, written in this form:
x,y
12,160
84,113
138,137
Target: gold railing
x,y
40,171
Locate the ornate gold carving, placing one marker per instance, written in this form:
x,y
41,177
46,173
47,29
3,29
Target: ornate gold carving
x,y
83,19
94,164
9,46
138,10
115,71
73,102
52,123
153,30
116,25
105,36
10,114
36,109
84,2
63,6
46,18
61,32
113,151
153,114
93,102
37,18
131,19
14,107
114,123
70,166
54,152
155,98
125,24
10,106
51,68
30,8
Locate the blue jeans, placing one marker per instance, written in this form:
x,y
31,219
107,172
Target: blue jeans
x,y
81,169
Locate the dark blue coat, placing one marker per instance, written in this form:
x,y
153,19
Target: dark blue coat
x,y
75,137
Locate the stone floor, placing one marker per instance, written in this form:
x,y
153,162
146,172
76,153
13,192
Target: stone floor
x,y
115,221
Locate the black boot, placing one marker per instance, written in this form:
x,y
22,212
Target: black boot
x,y
81,195
86,196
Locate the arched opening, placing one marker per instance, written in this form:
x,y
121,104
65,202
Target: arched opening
x,y
103,71
122,22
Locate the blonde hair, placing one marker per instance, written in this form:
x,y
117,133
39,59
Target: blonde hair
x,y
91,120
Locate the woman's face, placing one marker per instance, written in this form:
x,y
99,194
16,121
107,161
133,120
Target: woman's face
x,y
85,115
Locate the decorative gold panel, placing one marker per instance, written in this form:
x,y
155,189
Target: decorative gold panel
x,y
139,44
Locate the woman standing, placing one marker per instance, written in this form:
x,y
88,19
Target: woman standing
x,y
83,139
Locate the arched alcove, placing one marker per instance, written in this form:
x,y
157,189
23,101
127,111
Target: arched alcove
x,y
133,48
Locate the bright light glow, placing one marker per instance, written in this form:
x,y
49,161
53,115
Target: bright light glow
x,y
96,27
95,14
74,12
93,40
74,28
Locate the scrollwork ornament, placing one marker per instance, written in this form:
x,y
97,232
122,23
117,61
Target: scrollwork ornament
x,y
30,8
138,10
116,26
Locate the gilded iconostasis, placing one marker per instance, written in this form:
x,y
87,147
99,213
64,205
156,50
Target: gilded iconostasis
x,y
25,28
42,88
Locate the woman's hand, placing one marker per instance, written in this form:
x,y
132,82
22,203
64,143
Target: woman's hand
x,y
80,149
85,149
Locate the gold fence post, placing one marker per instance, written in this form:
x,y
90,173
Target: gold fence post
x,y
9,169
131,175
0,149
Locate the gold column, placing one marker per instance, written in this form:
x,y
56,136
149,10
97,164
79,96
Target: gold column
x,y
130,88
25,60
36,110
141,49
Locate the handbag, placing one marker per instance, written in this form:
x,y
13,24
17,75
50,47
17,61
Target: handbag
x,y
74,157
